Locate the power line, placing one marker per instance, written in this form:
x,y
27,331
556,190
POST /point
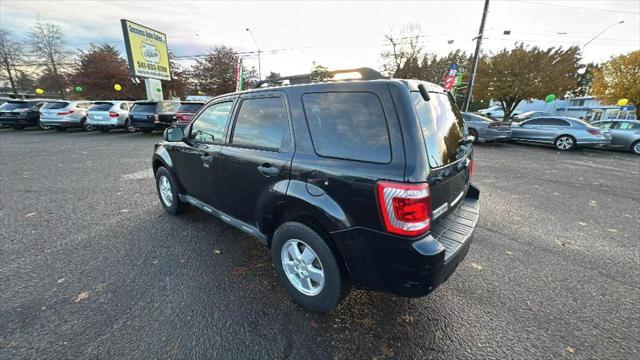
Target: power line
x,y
575,7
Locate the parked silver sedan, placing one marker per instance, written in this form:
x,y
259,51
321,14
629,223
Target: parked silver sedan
x,y
486,129
65,114
564,133
625,134
111,114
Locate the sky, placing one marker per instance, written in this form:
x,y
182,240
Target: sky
x,y
292,35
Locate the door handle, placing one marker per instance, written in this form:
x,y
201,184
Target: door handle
x,y
206,160
318,178
268,170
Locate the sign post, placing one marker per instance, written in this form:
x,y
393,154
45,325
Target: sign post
x,y
148,56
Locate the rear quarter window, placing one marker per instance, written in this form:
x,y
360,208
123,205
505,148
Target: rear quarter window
x,y
55,105
348,125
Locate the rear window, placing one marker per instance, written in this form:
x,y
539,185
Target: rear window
x,y
55,105
169,106
348,125
105,106
144,108
12,105
190,108
442,127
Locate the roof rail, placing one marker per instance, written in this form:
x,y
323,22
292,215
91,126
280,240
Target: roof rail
x,y
363,73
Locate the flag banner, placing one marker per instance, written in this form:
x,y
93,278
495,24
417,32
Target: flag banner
x,y
450,78
239,75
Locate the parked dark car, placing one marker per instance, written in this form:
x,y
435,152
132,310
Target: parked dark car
x,y
187,110
349,183
483,128
153,115
625,134
564,133
20,114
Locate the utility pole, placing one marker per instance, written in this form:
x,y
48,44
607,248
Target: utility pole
x,y
258,46
476,58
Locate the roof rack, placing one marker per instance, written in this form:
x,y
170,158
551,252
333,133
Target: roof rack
x,y
363,73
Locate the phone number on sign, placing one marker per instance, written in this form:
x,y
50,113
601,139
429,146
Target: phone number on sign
x,y
151,67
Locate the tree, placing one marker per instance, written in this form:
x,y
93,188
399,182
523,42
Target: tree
x,y
215,74
11,53
178,86
250,77
618,79
48,44
318,72
273,77
98,69
25,82
524,73
585,81
402,51
433,68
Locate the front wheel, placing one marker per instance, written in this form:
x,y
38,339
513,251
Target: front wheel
x,y
43,126
474,133
307,267
565,143
635,147
128,127
85,125
168,192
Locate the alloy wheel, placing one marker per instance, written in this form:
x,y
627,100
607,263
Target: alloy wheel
x,y
564,143
636,148
302,266
165,190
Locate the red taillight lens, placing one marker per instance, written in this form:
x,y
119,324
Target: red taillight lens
x,y
406,208
113,114
66,112
470,168
593,131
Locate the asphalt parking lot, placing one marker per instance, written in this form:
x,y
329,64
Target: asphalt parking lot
x,y
92,267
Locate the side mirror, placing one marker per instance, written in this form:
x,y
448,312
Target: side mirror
x,y
173,134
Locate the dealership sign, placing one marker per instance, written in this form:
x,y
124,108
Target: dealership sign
x,y
147,51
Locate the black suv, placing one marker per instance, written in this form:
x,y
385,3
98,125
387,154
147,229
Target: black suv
x,y
349,183
153,115
20,114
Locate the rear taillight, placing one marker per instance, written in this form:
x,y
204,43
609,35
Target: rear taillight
x,y
113,114
66,112
406,208
470,168
593,131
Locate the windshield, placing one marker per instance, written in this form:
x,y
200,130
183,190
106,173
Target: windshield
x,y
101,106
55,105
144,108
442,127
13,105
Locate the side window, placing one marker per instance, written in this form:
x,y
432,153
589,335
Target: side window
x,y
536,122
261,123
605,125
123,106
629,126
210,125
348,125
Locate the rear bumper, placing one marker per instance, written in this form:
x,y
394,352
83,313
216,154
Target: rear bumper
x,y
406,267
60,122
106,123
150,125
20,121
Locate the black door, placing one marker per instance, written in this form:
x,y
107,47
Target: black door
x,y
196,160
255,164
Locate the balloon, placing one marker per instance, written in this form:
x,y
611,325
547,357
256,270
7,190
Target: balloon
x,y
158,89
200,93
117,87
623,102
550,98
78,89
39,91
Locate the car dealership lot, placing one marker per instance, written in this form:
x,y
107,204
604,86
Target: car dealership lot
x,y
92,267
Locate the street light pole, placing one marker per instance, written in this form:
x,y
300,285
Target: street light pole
x,y
258,46
602,32
476,58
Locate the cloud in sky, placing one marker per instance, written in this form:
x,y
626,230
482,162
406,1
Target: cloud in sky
x,y
336,34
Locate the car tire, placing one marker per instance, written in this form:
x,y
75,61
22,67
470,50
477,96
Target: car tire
x,y
565,143
319,266
42,126
167,188
635,147
474,133
128,127
85,126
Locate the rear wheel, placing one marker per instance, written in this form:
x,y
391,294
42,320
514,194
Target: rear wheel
x,y
635,147
128,127
168,192
565,143
307,267
43,126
